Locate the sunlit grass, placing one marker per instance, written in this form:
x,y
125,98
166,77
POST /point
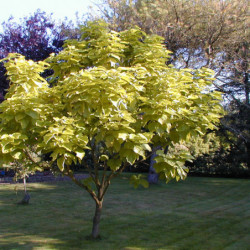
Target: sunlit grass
x,y
200,213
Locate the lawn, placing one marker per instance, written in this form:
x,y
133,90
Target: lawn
x,y
199,213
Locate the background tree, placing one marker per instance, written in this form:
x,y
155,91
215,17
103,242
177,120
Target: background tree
x,y
112,95
35,37
200,33
28,166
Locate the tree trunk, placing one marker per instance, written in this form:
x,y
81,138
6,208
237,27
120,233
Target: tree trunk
x,y
246,82
153,177
24,185
96,220
26,198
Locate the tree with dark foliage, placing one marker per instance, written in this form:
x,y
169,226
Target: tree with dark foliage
x,y
35,37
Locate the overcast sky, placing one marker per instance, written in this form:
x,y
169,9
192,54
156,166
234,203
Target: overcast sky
x,y
60,8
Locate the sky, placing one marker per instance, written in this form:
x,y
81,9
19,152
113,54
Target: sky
x,y
60,8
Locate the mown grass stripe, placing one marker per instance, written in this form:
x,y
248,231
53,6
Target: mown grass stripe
x,y
200,213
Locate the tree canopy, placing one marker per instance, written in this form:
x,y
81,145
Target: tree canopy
x,y
111,95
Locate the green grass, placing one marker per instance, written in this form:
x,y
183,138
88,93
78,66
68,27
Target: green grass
x,y
199,213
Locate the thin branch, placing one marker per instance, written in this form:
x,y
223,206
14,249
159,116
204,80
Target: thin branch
x,y
93,153
33,161
235,132
111,176
88,169
104,174
70,174
229,93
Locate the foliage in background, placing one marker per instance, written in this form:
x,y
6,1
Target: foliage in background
x,y
216,155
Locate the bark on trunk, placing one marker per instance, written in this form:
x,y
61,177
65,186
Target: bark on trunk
x,y
96,221
24,184
153,177
26,198
246,82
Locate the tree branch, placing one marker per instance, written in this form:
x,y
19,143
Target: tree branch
x,y
89,169
26,152
70,174
95,162
111,176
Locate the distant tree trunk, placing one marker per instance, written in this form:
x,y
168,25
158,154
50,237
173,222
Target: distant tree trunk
x,y
96,220
245,68
26,198
24,184
248,153
246,82
153,177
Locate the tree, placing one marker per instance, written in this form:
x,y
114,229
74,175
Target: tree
x,y
200,33
35,37
111,95
28,166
